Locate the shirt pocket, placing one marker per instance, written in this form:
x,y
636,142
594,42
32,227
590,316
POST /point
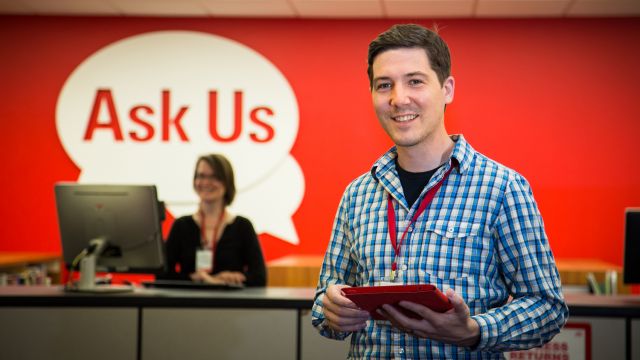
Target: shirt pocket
x,y
453,250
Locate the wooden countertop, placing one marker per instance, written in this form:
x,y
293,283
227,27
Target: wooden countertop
x,y
303,271
17,259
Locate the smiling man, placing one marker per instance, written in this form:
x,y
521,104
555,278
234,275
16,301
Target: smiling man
x,y
463,223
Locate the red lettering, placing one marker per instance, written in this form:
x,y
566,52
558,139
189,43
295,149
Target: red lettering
x,y
105,117
213,117
133,114
167,121
256,120
103,98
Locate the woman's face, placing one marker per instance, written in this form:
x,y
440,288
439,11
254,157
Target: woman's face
x,y
208,187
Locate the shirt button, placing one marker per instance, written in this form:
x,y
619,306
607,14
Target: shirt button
x,y
450,229
401,351
404,267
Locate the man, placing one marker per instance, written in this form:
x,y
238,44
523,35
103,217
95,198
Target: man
x,y
480,239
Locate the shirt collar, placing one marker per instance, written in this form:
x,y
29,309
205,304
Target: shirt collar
x,y
462,153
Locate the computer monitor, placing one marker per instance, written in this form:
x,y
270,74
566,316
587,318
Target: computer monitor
x,y
631,266
124,219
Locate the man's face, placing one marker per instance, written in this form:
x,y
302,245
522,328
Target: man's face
x,y
408,97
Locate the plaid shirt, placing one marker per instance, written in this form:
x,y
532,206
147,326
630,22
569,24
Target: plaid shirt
x,y
482,235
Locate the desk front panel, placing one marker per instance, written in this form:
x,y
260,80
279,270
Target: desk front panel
x,y
56,333
226,334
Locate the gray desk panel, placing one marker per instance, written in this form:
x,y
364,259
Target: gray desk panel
x,y
635,339
607,336
170,333
316,347
28,333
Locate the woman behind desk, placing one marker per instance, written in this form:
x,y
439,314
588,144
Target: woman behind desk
x,y
212,245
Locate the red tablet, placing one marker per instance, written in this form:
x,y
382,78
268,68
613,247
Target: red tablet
x,y
371,298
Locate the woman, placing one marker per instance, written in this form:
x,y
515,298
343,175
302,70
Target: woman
x,y
212,245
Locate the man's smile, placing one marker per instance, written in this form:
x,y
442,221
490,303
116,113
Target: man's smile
x,y
404,118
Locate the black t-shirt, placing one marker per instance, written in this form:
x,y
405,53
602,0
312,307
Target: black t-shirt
x,y
413,183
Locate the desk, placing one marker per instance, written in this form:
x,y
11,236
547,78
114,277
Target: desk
x,y
154,324
268,323
614,323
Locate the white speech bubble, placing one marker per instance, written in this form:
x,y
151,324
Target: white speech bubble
x,y
280,193
141,110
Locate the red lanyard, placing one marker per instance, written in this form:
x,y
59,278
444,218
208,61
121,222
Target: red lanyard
x,y
391,218
203,236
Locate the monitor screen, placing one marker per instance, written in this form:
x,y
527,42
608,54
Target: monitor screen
x,y
127,217
631,267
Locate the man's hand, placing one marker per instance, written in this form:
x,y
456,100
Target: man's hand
x,y
454,326
342,314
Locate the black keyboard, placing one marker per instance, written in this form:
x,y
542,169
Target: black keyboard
x,y
191,285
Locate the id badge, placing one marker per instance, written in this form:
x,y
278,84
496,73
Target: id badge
x,y
390,279
204,258
387,283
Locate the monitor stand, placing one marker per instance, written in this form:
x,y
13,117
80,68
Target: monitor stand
x,y
87,282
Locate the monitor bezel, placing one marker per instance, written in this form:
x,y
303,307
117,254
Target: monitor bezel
x,y
631,247
149,257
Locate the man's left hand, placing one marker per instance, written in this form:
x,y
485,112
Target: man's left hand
x,y
454,326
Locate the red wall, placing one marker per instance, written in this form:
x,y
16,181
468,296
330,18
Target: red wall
x,y
554,99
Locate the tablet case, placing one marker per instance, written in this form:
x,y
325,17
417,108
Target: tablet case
x,y
371,298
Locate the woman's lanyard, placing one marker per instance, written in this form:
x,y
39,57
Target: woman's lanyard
x,y
203,235
391,218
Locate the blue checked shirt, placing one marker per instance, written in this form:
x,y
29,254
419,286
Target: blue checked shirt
x,y
482,235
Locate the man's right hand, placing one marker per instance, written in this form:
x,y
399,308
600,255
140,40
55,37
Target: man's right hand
x,y
342,314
